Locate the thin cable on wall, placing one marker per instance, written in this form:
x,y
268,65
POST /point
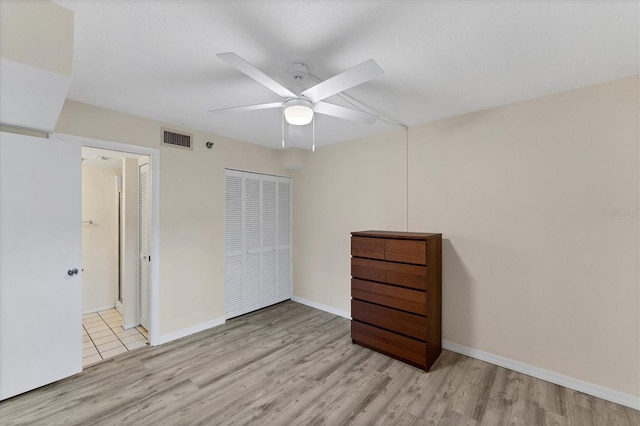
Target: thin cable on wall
x,y
407,170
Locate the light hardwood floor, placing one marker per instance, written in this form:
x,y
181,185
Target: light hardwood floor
x,y
290,365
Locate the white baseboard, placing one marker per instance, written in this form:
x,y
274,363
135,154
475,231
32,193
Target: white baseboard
x,y
326,308
549,376
101,308
165,338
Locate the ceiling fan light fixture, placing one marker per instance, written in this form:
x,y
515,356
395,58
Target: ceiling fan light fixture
x,y
298,112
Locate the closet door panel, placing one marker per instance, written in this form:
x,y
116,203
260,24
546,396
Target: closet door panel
x,y
233,216
257,241
284,217
252,228
284,274
233,265
268,213
233,286
269,279
284,239
251,283
269,266
252,244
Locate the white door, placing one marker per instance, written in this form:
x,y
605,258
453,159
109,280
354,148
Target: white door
x,y
257,241
143,233
269,264
40,262
283,249
252,244
233,250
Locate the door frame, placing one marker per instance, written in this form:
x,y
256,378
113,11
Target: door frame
x,y
154,228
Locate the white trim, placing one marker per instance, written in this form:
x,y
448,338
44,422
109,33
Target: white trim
x,y
165,338
154,249
128,326
291,237
546,375
101,308
326,308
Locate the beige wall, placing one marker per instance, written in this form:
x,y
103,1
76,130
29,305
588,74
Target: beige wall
x,y
352,186
191,206
99,241
534,269
37,33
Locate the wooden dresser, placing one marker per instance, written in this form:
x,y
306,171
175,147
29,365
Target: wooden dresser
x,y
396,294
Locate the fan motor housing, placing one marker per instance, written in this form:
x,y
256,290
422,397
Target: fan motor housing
x,y
298,71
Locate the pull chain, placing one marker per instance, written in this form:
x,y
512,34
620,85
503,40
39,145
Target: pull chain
x,y
313,135
283,127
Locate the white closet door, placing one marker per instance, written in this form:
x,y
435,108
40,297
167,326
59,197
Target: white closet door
x,y
283,248
257,241
269,265
143,216
252,244
233,253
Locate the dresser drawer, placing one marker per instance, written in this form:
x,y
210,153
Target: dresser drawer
x,y
400,322
372,248
412,276
407,251
389,295
404,348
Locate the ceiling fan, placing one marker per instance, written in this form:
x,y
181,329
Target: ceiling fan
x,y
299,109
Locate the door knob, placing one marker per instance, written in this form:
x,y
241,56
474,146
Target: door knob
x,y
73,271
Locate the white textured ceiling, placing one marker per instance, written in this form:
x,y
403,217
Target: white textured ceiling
x,y
157,59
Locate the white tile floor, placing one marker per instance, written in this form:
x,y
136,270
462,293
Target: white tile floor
x,y
104,337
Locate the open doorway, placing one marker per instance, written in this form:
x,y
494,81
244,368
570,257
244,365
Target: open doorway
x,y
115,252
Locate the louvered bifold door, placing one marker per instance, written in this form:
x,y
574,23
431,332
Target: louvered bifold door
x,y
252,244
269,265
257,241
143,243
233,250
283,247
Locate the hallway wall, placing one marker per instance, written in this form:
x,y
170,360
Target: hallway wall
x,y
99,242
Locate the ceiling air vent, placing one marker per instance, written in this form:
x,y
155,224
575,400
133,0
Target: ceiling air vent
x,y
179,140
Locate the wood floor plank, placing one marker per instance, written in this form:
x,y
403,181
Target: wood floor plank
x,y
292,364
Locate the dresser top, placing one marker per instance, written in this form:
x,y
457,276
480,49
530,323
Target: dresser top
x,y
395,234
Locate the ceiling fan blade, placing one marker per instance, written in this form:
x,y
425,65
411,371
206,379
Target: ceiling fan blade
x,y
343,81
343,112
253,72
249,107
